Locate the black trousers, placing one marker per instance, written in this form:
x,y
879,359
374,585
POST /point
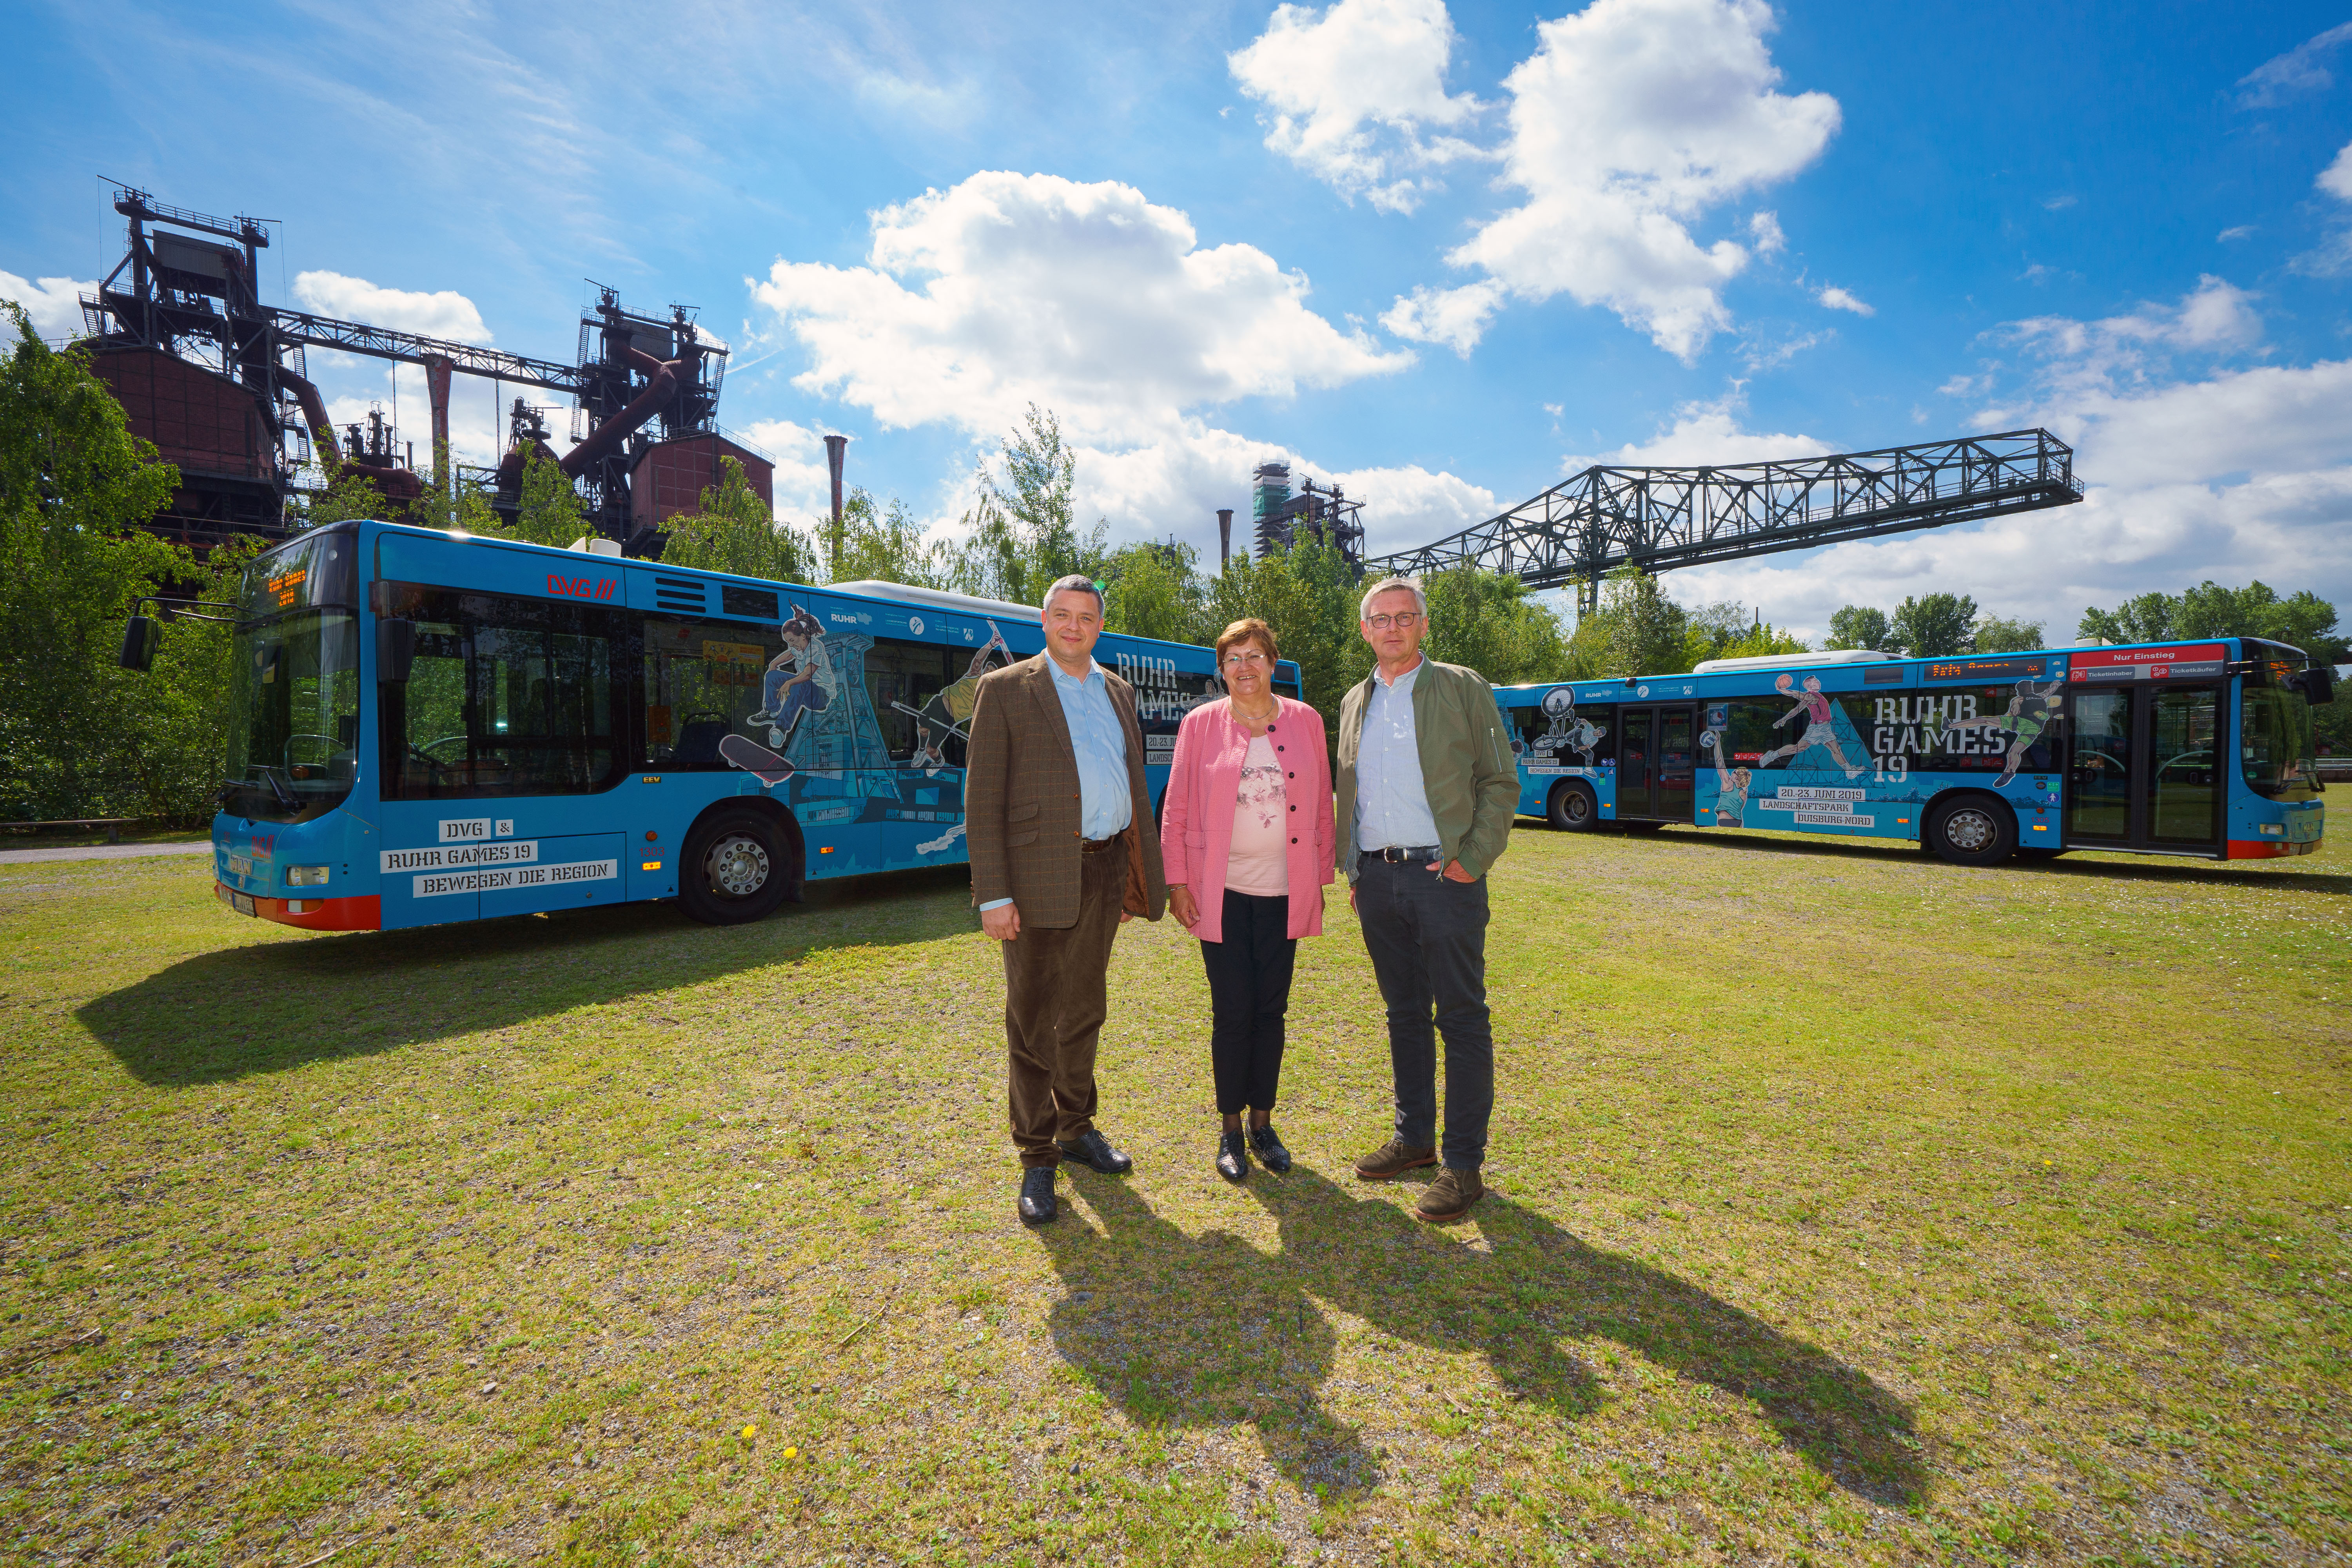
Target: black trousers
x,y
1427,939
1249,995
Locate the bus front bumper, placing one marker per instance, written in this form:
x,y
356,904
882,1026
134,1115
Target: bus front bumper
x,y
310,914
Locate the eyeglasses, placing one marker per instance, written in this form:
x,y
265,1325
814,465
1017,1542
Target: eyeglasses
x,y
1403,622
1245,660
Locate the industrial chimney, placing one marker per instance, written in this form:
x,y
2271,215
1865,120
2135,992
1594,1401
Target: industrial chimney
x,y
1224,536
836,449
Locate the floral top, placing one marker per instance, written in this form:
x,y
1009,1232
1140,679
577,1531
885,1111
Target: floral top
x,y
1258,862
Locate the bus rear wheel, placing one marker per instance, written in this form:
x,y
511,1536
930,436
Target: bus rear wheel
x,y
733,871
1571,806
1974,830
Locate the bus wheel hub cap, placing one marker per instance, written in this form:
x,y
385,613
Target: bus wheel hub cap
x,y
738,866
1968,830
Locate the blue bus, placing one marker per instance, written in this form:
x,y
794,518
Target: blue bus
x,y
430,726
2185,748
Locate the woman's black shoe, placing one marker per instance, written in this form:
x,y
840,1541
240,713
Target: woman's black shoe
x,y
1233,1159
1270,1152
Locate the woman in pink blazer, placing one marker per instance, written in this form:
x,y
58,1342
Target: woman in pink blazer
x,y
1246,828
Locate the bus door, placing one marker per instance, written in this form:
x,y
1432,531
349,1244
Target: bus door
x,y
1655,759
2144,768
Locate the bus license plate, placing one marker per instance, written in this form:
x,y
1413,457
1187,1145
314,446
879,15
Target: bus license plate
x,y
239,866
241,902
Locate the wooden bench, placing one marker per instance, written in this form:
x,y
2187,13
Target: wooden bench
x,y
114,824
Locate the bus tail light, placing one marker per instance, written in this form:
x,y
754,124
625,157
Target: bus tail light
x,y
306,875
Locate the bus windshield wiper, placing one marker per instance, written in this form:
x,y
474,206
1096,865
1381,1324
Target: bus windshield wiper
x,y
285,797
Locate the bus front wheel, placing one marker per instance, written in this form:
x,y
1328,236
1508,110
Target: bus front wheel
x,y
1571,806
733,871
1974,830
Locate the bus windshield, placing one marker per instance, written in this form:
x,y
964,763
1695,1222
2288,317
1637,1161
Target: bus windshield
x,y
2274,743
294,716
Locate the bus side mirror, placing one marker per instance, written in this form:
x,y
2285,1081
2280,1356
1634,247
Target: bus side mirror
x,y
139,640
2317,685
395,650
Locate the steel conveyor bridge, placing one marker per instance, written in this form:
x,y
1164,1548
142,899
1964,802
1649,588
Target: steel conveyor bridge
x,y
1582,529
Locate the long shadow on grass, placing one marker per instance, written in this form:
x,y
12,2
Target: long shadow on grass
x,y
1209,1332
2137,868
282,1003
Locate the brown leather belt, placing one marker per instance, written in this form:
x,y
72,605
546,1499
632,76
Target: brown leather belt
x,y
1097,846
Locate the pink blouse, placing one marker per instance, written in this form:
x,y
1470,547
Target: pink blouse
x,y
1198,814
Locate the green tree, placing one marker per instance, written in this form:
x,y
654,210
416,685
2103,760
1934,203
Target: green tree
x,y
177,751
75,485
1860,626
1634,630
1935,627
1996,635
1487,621
1308,594
2301,619
1155,590
734,531
2145,618
1729,630
1022,532
550,510
349,493
886,544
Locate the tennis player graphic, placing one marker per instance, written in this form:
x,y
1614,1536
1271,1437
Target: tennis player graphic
x,y
1816,709
1731,799
2031,710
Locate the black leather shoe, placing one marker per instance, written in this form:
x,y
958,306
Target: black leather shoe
x,y
1233,1157
1268,1147
1037,1206
1090,1148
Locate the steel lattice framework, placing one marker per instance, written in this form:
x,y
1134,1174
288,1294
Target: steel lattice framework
x,y
1656,518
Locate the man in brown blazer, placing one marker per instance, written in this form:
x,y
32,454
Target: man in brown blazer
x,y
1064,850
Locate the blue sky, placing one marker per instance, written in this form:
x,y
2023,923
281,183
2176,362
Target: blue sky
x,y
1446,253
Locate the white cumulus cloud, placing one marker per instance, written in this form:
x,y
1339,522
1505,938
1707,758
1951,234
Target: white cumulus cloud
x,y
1630,122
2336,178
1454,318
1352,90
1089,300
1702,433
1014,289
445,314
53,303
2231,472
1836,299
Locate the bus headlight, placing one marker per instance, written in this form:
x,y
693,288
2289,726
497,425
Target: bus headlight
x,y
306,875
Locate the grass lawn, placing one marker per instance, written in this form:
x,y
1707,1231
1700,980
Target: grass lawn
x,y
1848,1207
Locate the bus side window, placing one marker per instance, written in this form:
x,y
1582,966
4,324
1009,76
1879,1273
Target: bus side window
x,y
1525,724
703,681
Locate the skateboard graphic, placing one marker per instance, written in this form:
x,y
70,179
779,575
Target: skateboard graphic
x,y
762,763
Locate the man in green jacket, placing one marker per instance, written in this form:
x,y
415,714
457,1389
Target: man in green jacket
x,y
1427,789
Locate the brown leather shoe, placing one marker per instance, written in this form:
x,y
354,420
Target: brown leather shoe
x,y
1391,1159
1450,1196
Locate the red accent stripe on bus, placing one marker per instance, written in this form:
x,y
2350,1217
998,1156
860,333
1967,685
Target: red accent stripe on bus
x,y
326,914
2268,848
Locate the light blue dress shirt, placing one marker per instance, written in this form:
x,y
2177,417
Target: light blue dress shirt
x,y
1391,805
1098,742
1105,806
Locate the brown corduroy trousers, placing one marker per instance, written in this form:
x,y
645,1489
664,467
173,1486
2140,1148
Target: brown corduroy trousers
x,y
1055,998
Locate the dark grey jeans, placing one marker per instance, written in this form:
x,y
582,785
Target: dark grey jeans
x,y
1427,938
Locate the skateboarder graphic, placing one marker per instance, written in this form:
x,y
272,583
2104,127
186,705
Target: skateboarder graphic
x,y
798,680
2031,710
948,709
1731,799
1816,709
